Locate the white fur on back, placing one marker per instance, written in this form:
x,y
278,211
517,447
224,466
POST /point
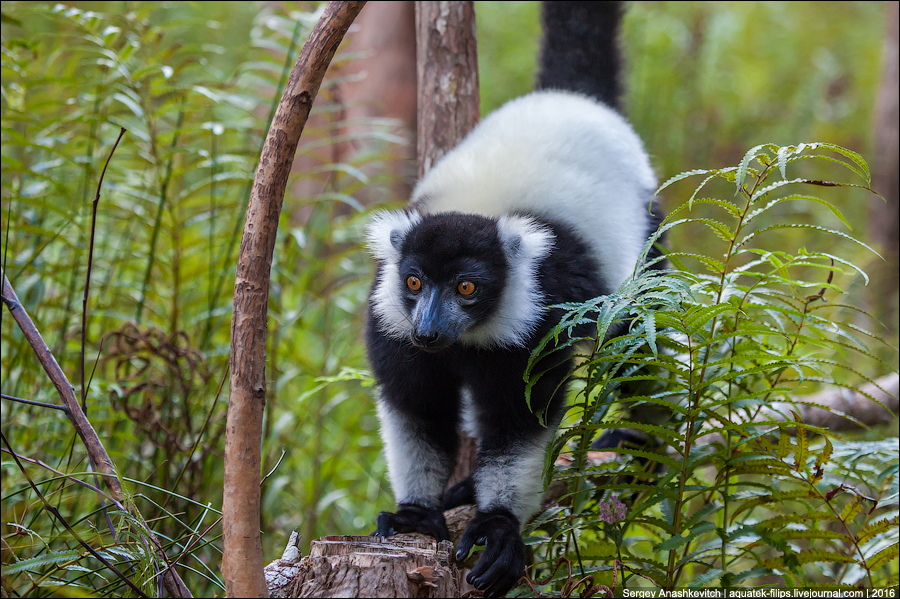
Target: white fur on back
x,y
558,155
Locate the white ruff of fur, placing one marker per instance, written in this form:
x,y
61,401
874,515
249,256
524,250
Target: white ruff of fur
x,y
558,155
525,243
383,235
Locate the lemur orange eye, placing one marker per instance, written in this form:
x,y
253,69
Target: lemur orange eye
x,y
466,288
414,283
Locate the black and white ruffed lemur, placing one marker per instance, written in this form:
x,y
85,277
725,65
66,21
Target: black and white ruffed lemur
x,y
545,202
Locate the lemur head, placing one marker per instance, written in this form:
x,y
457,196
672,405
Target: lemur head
x,y
453,277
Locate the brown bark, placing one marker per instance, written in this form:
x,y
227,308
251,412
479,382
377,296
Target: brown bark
x,y
97,453
448,105
884,217
242,562
405,565
400,566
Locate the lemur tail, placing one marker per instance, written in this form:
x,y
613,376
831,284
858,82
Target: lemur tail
x,y
580,50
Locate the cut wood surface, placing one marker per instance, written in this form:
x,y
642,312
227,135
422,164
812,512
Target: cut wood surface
x,y
404,565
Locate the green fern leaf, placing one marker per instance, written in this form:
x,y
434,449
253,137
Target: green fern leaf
x,y
750,236
856,158
818,555
681,176
802,448
831,535
853,507
35,563
823,457
870,531
672,437
677,540
656,522
744,165
770,498
650,456
834,209
888,554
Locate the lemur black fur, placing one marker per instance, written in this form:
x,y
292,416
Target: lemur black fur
x,y
545,202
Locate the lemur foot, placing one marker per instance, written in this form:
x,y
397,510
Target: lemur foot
x,y
502,563
413,518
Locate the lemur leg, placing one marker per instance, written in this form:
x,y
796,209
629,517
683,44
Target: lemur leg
x,y
419,409
507,478
419,466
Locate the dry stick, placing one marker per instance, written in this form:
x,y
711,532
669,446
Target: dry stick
x,y
84,304
31,402
97,453
90,262
242,561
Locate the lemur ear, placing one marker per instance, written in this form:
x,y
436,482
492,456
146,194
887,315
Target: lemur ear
x,y
523,239
387,230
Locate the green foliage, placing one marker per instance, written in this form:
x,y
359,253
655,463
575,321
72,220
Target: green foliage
x,y
740,491
194,85
508,36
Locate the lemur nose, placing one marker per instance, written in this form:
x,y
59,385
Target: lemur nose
x,y
427,339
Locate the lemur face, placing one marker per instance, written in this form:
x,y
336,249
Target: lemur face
x,y
450,276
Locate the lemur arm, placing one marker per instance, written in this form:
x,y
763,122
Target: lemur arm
x,y
418,409
507,477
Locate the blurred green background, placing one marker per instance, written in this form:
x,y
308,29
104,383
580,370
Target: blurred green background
x,y
194,84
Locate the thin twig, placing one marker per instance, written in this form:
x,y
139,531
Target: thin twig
x,y
31,402
90,263
275,467
84,304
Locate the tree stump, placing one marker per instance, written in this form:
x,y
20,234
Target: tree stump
x,y
405,565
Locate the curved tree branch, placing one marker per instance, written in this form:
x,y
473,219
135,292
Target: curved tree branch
x,y
242,563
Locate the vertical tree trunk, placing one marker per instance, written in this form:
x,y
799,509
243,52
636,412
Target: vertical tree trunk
x,y
242,561
447,71
884,216
448,108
